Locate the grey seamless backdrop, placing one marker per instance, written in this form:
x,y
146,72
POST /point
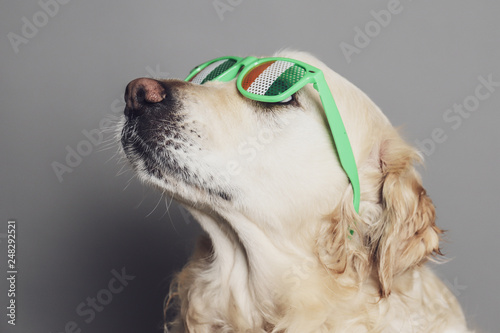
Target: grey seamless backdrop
x,y
96,249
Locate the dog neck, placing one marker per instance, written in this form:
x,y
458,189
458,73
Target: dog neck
x,y
252,267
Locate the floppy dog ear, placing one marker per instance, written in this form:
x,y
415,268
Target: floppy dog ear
x,y
338,246
407,234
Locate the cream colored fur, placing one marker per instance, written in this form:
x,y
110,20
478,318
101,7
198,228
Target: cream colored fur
x,y
278,256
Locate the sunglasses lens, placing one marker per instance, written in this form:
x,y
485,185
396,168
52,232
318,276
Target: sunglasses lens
x,y
212,71
272,78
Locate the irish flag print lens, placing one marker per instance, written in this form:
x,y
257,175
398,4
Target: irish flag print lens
x,y
212,71
272,78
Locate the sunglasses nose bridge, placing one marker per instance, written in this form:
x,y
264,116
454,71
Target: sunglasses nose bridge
x,y
236,69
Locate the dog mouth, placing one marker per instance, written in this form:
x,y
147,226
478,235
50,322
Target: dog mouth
x,y
152,149
160,141
153,137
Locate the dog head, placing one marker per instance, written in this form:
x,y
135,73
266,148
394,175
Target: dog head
x,y
275,163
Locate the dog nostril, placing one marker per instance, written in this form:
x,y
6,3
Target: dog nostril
x,y
140,93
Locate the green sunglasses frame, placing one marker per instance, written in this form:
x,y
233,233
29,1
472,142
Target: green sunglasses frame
x,y
312,75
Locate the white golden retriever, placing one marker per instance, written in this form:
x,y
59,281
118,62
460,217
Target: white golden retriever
x,y
264,182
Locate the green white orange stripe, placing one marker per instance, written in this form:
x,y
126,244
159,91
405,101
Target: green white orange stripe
x,y
263,82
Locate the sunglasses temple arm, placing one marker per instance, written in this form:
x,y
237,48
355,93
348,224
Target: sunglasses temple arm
x,y
340,137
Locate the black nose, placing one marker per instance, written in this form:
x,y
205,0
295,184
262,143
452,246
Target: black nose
x,y
141,93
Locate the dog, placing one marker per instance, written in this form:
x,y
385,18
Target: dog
x,y
285,251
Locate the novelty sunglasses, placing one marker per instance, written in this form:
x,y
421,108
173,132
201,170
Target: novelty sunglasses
x,y
275,80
